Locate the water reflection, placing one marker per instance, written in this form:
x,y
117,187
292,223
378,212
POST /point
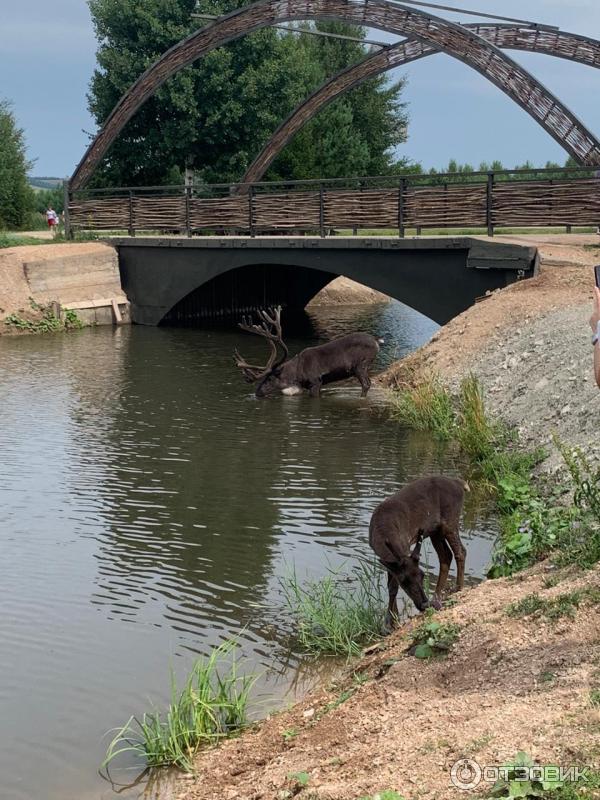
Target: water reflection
x,y
150,505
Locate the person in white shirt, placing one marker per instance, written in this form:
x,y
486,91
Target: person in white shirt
x,y
51,218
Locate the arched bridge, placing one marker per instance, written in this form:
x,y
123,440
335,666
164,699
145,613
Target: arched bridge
x,y
542,106
427,33
179,280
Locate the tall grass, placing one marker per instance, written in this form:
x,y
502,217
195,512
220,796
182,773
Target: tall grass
x,y
425,407
475,433
337,614
211,706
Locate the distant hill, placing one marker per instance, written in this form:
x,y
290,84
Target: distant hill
x,y
45,182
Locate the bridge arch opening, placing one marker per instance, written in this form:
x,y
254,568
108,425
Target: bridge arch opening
x,y
245,289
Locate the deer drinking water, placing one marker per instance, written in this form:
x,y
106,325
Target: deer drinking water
x,y
425,507
342,358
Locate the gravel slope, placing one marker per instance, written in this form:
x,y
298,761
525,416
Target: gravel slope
x,y
530,344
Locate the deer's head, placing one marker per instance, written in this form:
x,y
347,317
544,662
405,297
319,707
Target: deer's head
x,y
270,377
411,577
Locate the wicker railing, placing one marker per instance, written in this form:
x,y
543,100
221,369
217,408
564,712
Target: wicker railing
x,y
475,200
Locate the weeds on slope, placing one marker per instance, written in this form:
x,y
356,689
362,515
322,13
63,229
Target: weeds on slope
x,y
522,778
48,322
212,705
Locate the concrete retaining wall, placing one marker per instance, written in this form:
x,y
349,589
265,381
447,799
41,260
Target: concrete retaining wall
x,y
80,276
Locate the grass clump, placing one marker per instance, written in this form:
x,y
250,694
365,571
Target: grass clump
x,y
476,434
431,638
338,614
426,407
210,707
565,605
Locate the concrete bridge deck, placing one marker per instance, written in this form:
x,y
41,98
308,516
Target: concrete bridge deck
x,y
179,279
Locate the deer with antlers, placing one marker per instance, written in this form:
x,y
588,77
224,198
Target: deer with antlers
x,y
345,357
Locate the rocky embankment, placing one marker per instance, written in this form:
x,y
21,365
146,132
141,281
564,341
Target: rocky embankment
x,y
530,346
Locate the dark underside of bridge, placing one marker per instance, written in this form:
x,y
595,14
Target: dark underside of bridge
x,y
182,281
246,289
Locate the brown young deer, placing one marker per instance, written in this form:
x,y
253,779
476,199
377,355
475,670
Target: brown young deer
x,y
342,358
426,507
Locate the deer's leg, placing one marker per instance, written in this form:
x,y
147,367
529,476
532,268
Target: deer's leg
x,y
391,618
460,553
444,554
314,389
362,374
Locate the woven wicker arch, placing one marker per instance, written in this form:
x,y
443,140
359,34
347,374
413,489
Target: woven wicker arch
x,y
570,46
451,38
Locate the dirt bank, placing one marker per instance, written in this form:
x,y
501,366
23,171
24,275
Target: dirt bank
x,y
343,291
530,345
508,685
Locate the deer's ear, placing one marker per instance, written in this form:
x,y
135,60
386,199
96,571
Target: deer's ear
x,y
416,553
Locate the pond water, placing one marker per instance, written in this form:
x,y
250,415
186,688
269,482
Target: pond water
x,y
149,506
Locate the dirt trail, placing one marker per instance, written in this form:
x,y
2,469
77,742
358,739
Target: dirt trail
x,y
508,685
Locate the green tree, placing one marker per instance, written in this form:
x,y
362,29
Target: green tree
x,y
216,114
16,196
359,132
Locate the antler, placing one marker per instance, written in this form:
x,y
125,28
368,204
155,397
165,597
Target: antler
x,y
270,329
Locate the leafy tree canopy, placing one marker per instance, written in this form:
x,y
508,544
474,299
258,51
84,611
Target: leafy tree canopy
x,y
215,115
16,196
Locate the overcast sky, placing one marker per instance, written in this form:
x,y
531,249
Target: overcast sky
x,y
47,56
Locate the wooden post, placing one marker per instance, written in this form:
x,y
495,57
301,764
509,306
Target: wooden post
x,y
188,225
250,211
489,204
131,227
401,192
321,212
67,216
